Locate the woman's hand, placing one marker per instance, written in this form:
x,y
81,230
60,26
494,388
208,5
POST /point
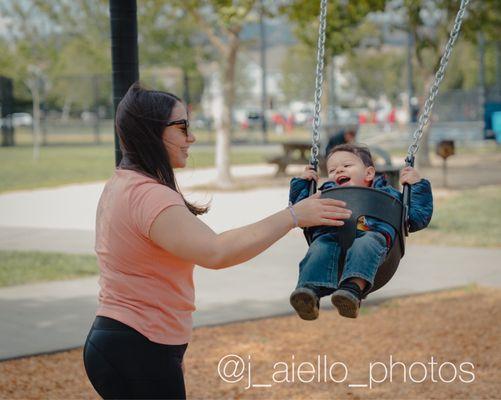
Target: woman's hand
x,y
409,175
309,173
315,211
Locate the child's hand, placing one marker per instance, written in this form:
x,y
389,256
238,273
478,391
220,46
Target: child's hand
x,y
409,175
309,173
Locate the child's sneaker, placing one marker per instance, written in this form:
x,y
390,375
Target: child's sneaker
x,y
347,299
305,302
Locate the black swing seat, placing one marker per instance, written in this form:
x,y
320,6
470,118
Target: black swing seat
x,y
369,202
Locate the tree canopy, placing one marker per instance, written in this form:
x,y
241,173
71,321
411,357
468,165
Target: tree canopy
x,y
343,19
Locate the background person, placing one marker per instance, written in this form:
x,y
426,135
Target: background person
x,y
348,135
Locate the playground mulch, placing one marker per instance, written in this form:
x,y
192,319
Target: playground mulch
x,y
437,337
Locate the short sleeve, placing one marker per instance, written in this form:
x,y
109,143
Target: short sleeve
x,y
148,201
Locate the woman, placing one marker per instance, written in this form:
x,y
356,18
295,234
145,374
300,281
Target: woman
x,y
148,239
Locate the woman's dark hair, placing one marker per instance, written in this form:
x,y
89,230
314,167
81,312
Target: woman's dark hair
x,y
140,121
361,152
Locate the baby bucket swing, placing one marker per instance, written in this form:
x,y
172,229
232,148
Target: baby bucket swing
x,y
364,201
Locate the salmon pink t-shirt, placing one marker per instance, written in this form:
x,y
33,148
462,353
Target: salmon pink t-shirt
x,y
142,285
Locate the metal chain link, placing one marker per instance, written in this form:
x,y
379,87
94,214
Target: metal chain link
x,y
439,76
318,82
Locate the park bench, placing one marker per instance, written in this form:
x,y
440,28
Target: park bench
x,y
298,153
294,153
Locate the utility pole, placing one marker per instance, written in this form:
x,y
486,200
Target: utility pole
x,y
264,94
186,87
498,67
481,72
124,53
6,110
95,93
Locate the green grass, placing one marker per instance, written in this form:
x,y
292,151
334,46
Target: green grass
x,y
467,218
56,166
20,267
67,164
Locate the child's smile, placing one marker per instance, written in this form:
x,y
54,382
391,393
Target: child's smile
x,y
347,169
343,180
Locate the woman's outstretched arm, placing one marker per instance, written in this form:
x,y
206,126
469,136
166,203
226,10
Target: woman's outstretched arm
x,y
182,234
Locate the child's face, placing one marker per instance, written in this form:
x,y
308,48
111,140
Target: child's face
x,y
347,169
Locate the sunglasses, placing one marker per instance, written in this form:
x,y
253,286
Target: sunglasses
x,y
184,123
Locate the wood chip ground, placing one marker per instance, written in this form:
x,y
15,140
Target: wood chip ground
x,y
460,329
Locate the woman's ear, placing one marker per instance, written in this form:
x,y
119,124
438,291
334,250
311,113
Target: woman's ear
x,y
370,173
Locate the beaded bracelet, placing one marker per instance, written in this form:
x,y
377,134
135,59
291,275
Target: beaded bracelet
x,y
294,216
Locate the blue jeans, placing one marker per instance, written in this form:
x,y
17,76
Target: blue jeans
x,y
319,268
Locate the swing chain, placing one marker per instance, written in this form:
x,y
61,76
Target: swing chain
x,y
439,76
319,78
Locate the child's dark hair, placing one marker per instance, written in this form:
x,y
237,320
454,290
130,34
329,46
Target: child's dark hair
x,y
361,152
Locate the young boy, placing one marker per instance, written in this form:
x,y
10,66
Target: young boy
x,y
351,165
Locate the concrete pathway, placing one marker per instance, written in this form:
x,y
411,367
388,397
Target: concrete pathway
x,y
57,315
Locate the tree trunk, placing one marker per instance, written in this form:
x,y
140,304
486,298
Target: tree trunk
x,y
65,115
223,178
43,114
223,133
35,94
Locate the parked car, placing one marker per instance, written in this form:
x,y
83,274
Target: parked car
x,y
200,121
88,116
21,119
304,116
248,118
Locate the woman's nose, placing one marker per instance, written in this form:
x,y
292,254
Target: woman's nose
x,y
191,137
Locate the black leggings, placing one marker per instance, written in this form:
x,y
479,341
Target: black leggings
x,y
122,363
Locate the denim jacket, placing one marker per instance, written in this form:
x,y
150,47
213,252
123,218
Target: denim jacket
x,y
420,210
